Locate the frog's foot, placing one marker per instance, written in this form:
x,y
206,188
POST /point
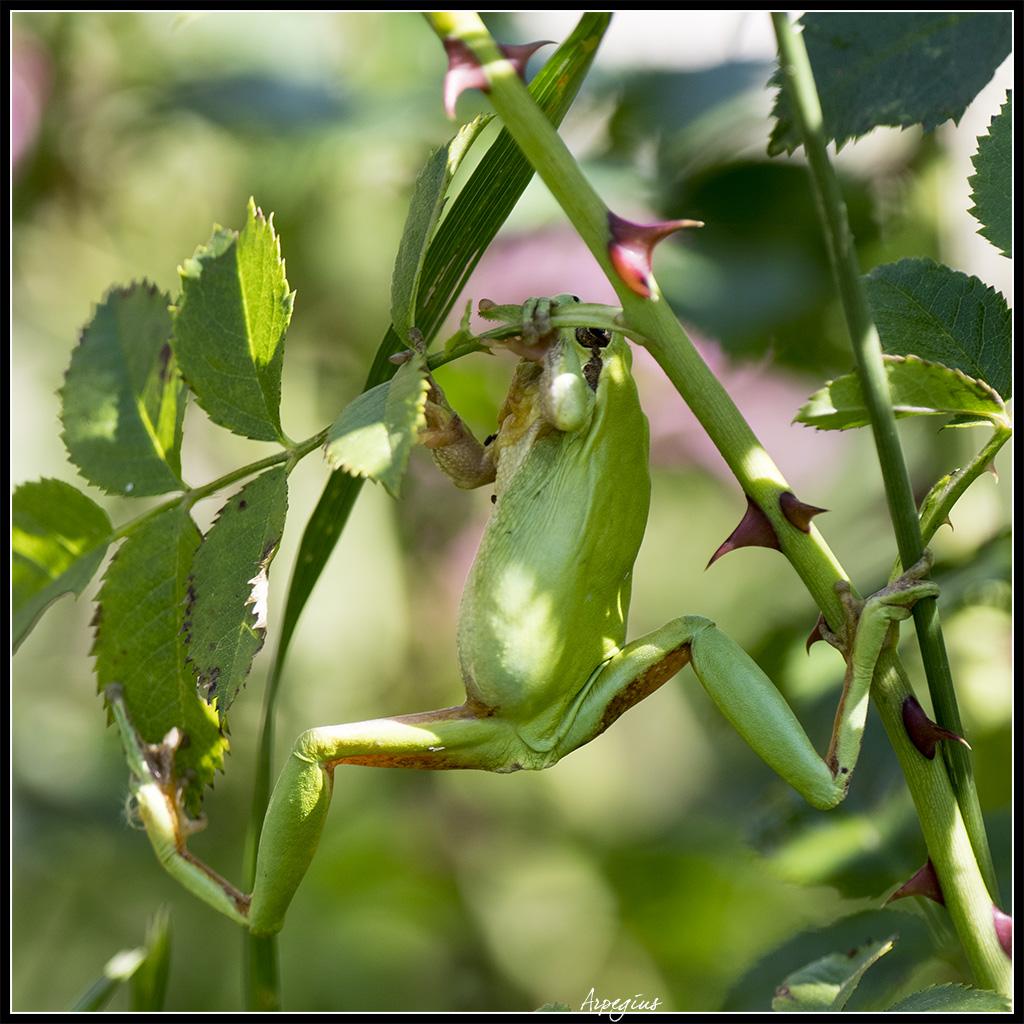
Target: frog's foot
x,y
896,601
537,320
861,640
892,603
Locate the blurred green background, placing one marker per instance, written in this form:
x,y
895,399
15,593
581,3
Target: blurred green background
x,y
663,859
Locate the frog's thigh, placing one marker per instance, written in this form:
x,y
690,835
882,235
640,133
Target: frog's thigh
x,y
639,669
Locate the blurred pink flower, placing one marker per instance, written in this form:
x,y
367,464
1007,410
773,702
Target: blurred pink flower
x,y
30,88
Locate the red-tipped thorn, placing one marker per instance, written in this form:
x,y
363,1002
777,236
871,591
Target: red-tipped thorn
x,y
631,245
465,72
924,883
754,530
923,732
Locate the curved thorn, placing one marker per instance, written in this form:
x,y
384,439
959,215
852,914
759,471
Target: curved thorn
x,y
631,245
465,71
799,513
923,732
754,530
923,883
816,634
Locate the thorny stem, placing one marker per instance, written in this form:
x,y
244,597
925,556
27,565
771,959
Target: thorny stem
x,y
798,81
948,842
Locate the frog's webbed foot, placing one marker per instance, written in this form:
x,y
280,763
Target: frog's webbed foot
x,y
893,603
862,638
537,320
911,587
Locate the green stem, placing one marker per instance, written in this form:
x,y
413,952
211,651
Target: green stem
x,y
798,81
937,506
757,474
196,494
263,985
949,845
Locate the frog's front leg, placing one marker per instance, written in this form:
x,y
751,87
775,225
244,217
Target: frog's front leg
x,y
457,452
748,698
462,737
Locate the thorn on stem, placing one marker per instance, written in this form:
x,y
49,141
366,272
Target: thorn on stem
x,y
923,883
816,634
799,513
923,732
754,530
465,72
631,245
1004,930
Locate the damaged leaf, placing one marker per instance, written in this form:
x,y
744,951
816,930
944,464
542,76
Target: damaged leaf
x,y
225,622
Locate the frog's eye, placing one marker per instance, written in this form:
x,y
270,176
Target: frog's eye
x,y
593,337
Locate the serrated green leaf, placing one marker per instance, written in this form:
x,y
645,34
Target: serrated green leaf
x,y
918,388
58,540
226,617
357,441
139,645
894,68
992,185
230,326
827,984
404,417
428,200
925,309
123,400
374,435
952,999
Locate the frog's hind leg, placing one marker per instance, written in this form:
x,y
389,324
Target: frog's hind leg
x,y
448,739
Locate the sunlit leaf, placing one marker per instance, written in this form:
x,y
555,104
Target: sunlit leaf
x,y
827,984
428,200
374,434
918,388
230,326
58,540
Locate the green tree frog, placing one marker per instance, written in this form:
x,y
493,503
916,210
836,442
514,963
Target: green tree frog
x,y
541,627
